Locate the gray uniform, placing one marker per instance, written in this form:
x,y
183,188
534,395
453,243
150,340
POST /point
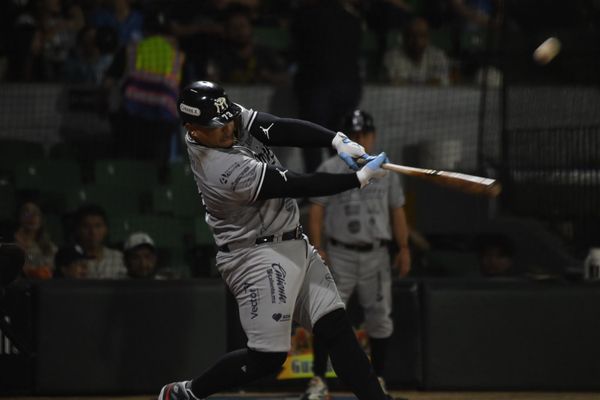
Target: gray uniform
x,y
273,282
357,223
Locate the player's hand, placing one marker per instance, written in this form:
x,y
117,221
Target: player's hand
x,y
402,262
372,169
348,150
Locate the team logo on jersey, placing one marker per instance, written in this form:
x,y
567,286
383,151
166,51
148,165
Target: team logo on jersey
x,y
276,276
282,173
220,104
254,298
266,130
189,110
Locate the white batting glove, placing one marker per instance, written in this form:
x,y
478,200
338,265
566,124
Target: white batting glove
x,y
372,170
348,150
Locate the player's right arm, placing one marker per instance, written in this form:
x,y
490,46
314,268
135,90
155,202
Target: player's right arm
x,y
276,131
278,182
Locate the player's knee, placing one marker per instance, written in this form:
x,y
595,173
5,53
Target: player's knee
x,y
265,363
332,325
379,325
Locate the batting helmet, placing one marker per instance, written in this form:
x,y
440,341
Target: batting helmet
x,y
358,121
206,104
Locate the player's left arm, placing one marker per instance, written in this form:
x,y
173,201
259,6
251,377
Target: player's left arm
x,y
276,131
401,231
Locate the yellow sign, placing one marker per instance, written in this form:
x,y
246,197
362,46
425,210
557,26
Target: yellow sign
x,y
299,363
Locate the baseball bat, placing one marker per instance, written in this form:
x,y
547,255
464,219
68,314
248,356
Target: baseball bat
x,y
467,183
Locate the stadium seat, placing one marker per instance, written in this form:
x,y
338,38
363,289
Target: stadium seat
x,y
198,231
132,174
165,231
182,200
181,174
8,201
47,175
114,202
14,151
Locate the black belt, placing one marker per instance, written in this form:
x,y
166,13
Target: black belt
x,y
291,235
359,247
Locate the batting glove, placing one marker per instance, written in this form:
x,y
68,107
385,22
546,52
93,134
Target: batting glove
x,y
348,150
372,170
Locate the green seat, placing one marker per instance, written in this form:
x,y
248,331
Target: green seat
x,y
130,174
8,202
198,231
13,152
115,202
180,174
165,231
47,175
176,200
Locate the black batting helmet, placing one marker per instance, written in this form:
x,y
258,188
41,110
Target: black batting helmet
x,y
358,121
206,104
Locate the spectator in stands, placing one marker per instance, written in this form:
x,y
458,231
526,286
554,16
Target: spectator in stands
x,y
240,60
384,17
91,230
33,238
416,61
123,18
71,263
92,56
496,255
56,34
140,256
151,72
326,38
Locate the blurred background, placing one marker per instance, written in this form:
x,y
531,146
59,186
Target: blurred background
x,y
96,189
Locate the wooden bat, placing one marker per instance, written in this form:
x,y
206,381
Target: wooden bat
x,y
467,183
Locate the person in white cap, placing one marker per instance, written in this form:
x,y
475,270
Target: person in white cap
x,y
140,256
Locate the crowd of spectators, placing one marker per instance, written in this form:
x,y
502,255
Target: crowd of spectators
x,y
77,41
85,254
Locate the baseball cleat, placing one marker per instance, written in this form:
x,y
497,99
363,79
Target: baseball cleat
x,y
177,391
317,390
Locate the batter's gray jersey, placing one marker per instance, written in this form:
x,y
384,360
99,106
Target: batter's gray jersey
x,y
229,181
360,216
273,282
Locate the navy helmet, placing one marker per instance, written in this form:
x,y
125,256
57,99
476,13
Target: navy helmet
x,y
206,104
358,121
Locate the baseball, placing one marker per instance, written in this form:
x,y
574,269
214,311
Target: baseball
x,y
547,51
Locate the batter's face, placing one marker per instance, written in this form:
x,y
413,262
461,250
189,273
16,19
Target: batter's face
x,y
222,137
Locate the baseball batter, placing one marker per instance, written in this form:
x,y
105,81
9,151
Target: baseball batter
x,y
266,261
358,225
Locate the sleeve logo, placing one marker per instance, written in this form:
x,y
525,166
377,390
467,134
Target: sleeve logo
x,y
189,110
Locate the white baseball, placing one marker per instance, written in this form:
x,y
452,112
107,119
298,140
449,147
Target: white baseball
x,y
547,51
